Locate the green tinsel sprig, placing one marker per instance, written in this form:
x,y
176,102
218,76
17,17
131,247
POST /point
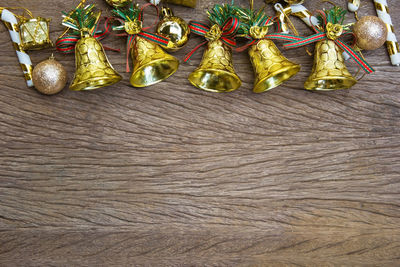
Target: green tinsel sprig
x,y
82,17
127,14
335,15
219,14
249,18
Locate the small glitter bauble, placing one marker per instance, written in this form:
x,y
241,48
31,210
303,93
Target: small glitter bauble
x,y
174,28
371,32
49,77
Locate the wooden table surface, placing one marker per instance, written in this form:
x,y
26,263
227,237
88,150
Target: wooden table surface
x,y
170,175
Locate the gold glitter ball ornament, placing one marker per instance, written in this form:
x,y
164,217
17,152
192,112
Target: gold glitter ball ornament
x,y
174,28
49,76
371,32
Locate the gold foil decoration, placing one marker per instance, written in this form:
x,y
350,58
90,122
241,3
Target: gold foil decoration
x,y
333,31
151,63
35,34
329,71
93,70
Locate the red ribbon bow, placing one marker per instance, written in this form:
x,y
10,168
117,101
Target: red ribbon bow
x,y
272,36
66,44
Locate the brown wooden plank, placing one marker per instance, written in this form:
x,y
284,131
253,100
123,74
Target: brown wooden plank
x,y
173,176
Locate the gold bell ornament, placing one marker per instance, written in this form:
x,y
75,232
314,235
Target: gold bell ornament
x,y
93,70
329,71
216,72
174,28
150,63
270,66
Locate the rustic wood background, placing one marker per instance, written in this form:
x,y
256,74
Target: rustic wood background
x,y
173,176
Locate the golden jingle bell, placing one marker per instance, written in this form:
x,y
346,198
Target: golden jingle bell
x,y
271,68
174,28
329,71
35,33
93,70
118,3
150,63
215,72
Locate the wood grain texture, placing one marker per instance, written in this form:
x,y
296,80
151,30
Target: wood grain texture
x,y
173,176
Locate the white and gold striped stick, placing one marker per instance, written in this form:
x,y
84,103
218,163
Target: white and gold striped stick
x,y
353,5
382,10
11,22
295,10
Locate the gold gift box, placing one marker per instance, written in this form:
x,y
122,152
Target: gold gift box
x,y
188,3
35,34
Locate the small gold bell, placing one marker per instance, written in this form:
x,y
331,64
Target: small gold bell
x,y
270,66
215,72
329,71
174,28
93,70
151,63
